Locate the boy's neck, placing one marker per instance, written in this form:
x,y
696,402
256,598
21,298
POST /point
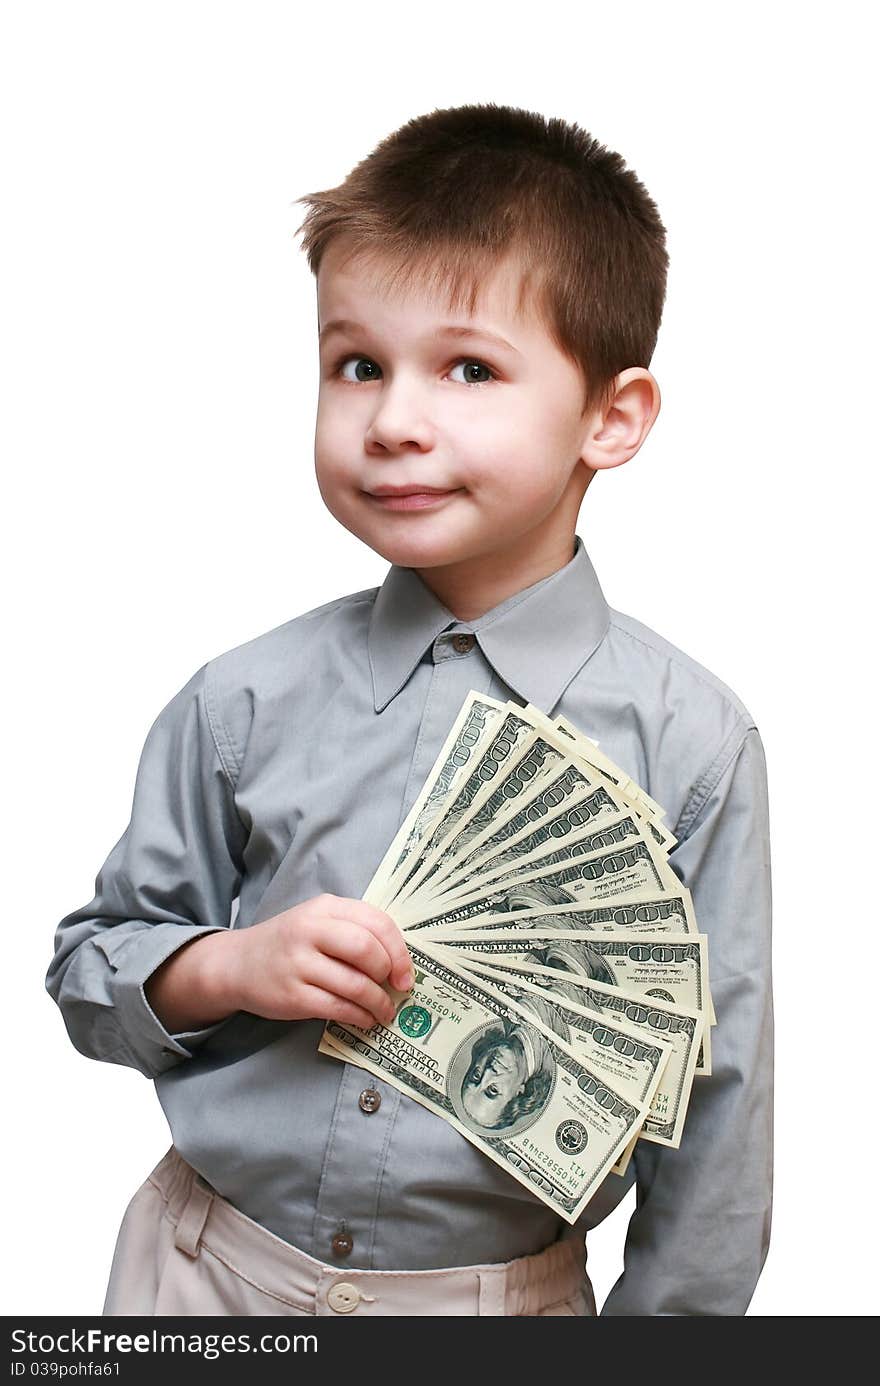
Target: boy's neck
x,y
471,588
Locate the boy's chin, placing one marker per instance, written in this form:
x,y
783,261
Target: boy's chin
x,y
426,558
419,551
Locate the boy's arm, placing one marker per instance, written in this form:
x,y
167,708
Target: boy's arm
x,y
171,877
699,1236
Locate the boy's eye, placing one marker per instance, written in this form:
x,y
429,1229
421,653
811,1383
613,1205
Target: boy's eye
x,y
365,369
470,365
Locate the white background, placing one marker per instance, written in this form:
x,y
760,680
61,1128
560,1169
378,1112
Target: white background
x,y
159,365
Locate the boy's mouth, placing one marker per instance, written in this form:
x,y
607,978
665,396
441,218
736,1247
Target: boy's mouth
x,y
414,489
409,497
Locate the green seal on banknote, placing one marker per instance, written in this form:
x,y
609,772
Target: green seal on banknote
x,y
414,1021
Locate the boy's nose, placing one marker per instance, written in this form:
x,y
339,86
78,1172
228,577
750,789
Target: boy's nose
x,y
400,421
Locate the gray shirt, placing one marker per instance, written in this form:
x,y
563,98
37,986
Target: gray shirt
x,y
282,770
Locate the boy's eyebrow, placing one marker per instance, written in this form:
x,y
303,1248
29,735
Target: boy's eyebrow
x,y
448,330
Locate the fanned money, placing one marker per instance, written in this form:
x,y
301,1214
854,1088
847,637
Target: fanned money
x,y
561,1009
454,1045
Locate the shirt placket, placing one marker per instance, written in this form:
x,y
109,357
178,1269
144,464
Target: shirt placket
x,y
358,1162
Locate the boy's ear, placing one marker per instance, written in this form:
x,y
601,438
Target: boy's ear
x,y
616,436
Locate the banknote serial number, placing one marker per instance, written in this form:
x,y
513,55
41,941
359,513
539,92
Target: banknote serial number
x,y
563,1172
435,1005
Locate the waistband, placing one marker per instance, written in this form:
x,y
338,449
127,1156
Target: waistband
x,y
201,1216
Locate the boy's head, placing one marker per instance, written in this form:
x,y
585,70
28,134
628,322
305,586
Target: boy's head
x,y
513,227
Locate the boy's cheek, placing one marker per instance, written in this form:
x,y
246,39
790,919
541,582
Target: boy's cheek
x,y
335,437
334,474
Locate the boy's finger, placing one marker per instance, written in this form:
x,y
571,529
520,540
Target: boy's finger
x,y
328,1006
401,974
352,986
357,945
388,933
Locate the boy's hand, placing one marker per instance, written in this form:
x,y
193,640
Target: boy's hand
x,y
326,958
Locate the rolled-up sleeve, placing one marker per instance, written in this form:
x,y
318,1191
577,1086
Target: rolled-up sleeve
x,y
698,1238
172,877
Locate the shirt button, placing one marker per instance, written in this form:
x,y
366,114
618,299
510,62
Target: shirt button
x,y
343,1297
370,1100
462,644
342,1243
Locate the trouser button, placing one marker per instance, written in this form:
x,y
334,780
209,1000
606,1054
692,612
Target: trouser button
x,y
343,1297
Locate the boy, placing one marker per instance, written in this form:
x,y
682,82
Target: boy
x,y
490,286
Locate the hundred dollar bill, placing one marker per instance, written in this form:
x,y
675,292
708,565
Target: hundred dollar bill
x,y
631,1057
653,1021
631,791
670,967
643,913
505,745
493,835
571,834
478,715
591,878
505,1079
510,778
539,784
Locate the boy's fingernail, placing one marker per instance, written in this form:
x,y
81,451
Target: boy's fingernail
x,y
409,978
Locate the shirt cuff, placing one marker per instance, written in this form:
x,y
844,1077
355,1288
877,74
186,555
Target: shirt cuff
x,y
134,960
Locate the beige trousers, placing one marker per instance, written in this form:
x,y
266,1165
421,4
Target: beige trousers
x,y
182,1249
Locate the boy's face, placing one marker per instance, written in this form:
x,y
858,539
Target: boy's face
x,y
406,402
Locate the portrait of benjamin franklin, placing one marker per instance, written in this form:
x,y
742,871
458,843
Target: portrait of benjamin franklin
x,y
503,1078
532,895
570,955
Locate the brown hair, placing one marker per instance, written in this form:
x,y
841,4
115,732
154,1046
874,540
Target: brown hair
x,y
451,194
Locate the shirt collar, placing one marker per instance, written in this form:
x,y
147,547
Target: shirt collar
x,y
536,640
